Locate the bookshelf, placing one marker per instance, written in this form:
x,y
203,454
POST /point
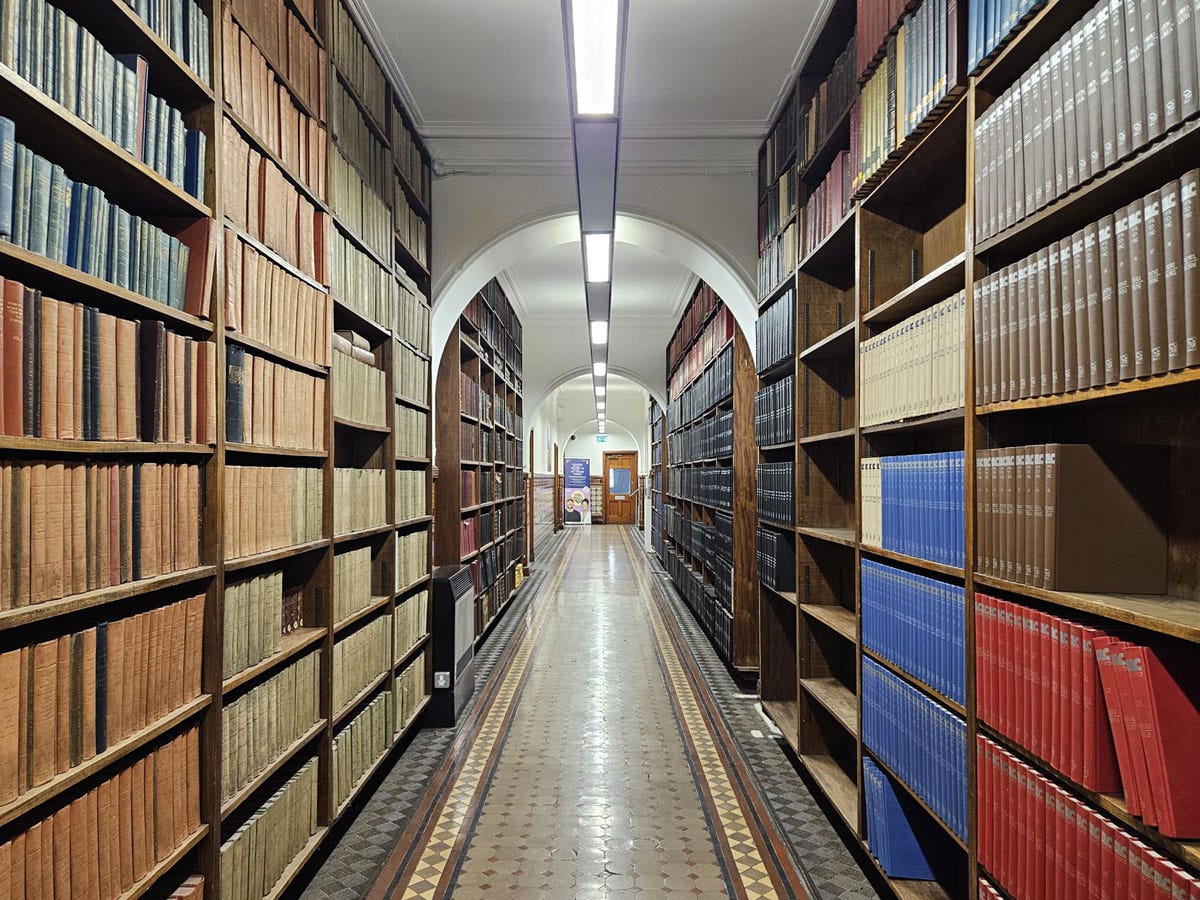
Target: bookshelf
x,y
917,246
259,410
481,497
658,466
704,463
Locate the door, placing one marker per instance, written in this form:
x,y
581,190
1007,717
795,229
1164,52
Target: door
x,y
620,482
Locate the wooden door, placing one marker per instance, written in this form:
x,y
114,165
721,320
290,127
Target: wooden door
x,y
620,487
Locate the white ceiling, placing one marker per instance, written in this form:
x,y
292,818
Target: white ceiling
x,y
700,67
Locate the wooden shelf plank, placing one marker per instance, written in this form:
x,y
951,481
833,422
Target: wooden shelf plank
x,y
833,346
352,705
40,612
944,281
376,605
931,422
843,536
920,801
836,699
275,257
293,644
342,422
281,886
916,682
835,251
1133,391
151,878
915,562
270,556
360,322
841,792
410,523
412,720
361,534
786,716
412,652
413,585
843,434
260,147
261,348
789,596
230,805
836,618
282,452
56,447
35,797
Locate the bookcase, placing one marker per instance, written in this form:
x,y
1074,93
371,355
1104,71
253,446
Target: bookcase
x,y
945,334
481,496
704,483
658,463
226,393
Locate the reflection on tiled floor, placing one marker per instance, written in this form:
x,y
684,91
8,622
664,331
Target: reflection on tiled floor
x,y
596,768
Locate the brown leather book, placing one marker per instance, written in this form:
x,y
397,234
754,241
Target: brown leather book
x,y
65,331
56,525
107,385
1107,264
1083,365
74,685
48,351
1156,285
193,780
1139,290
88,716
14,354
1189,218
79,373
1153,69
179,797
125,820
127,379
25,721
152,684
1040,316
177,660
34,867
77,850
195,645
60,842
108,847
64,714
1055,311
1021,495
1070,378
1013,342
1172,235
1120,76
117,678
94,838
77,491
6,541
37,533
6,867
158,788
151,564
142,840
200,238
233,281
1126,367
11,699
1022,330
1095,312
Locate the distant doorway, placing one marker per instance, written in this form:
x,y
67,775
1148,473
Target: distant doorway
x,y
620,493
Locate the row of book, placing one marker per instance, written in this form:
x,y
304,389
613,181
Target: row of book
x,y
70,698
775,332
105,841
1041,510
412,314
469,495
258,613
72,372
493,317
70,66
411,622
254,857
777,150
776,554
358,144
358,282
74,527
777,207
362,741
410,691
917,367
411,497
709,343
261,725
259,199
46,212
472,400
899,835
359,658
411,433
703,304
184,26
777,492
914,505
777,260
353,583
875,21
267,109
1037,840
359,388
710,486
409,159
411,230
412,374
917,623
411,557
1117,300
290,47
712,387
989,22
358,208
357,64
827,205
828,106
468,535
269,508
1120,78
265,302
362,499
268,404
918,739
709,439
469,441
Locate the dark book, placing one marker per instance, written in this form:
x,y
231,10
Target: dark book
x,y
1107,263
1139,296
1189,220
31,364
101,687
8,167
234,392
1156,286
1172,236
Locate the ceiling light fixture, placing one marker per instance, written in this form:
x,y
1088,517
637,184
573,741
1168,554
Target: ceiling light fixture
x,y
599,390
600,332
599,404
597,256
595,42
599,369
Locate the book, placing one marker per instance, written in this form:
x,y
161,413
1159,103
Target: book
x,y
360,658
915,505
255,621
269,508
894,833
360,743
279,406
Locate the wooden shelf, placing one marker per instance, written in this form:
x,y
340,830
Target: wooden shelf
x,y
413,585
915,562
169,862
376,605
57,447
409,262
843,536
844,434
917,798
281,452
361,534
352,706
837,139
786,716
945,281
833,346
835,251
229,806
411,653
275,257
837,787
57,278
837,618
263,349
413,460
932,422
410,523
769,448
1175,616
64,781
270,556
1131,391
260,147
341,422
280,888
413,719
836,700
41,612
357,240
369,328
789,596
415,404
904,675
935,151
293,644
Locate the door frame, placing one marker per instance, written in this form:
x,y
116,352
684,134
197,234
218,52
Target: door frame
x,y
634,485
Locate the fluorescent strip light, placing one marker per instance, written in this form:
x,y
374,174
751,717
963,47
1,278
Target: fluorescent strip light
x,y
599,404
600,332
599,369
595,30
597,256
600,390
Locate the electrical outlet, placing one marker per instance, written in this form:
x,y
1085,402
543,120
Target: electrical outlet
x,y
441,680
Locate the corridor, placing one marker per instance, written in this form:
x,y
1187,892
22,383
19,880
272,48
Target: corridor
x,y
595,762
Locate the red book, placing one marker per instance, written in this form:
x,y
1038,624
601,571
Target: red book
x,y
1112,706
1041,677
1133,734
1100,754
1108,841
1139,683
1037,826
1174,721
1075,650
1121,870
1064,875
14,342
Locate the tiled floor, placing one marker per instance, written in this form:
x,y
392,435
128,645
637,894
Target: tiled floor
x,y
592,766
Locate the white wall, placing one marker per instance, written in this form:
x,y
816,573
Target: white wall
x,y
585,446
545,434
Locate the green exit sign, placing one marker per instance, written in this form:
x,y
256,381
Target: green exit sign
x,y
601,438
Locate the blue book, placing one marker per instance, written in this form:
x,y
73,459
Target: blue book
x,y
8,174
194,168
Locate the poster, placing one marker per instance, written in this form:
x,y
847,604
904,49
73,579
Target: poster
x,y
577,492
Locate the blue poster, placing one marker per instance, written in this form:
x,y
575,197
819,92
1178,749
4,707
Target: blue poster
x,y
577,492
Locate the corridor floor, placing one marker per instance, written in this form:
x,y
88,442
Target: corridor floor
x,y
596,761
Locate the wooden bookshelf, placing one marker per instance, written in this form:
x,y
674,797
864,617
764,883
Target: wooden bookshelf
x,y
905,244
306,566
481,452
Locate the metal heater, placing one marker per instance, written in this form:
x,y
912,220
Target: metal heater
x,y
453,644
